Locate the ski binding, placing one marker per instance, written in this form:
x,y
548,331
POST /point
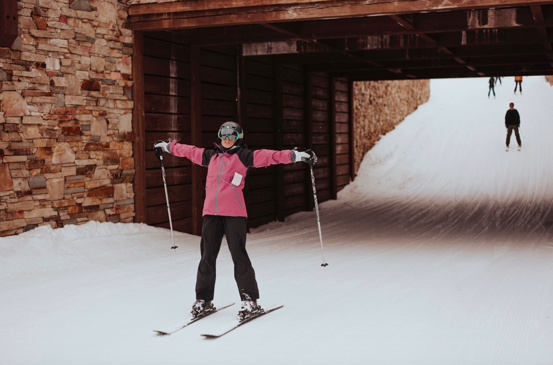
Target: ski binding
x,y
194,320
239,324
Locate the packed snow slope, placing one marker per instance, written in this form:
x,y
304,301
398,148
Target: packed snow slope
x,y
440,252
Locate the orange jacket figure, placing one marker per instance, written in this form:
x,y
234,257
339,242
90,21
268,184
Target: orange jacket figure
x,y
518,78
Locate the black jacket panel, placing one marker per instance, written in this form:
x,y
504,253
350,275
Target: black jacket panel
x,y
512,117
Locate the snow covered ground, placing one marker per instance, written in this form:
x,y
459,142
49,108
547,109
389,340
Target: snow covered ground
x,y
440,252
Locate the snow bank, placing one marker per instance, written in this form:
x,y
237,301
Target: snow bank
x,y
45,249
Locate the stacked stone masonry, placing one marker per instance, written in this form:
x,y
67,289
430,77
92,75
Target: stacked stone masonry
x,y
65,118
381,105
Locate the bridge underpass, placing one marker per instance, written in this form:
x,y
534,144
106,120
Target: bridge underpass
x,y
377,40
285,70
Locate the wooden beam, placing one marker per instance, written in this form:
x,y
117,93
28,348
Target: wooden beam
x,y
435,54
139,129
415,65
537,13
196,137
321,44
449,40
281,30
194,14
450,44
429,23
318,45
544,69
408,25
200,5
8,22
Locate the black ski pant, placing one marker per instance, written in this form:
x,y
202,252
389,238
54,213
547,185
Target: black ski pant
x,y
519,84
491,89
510,129
235,229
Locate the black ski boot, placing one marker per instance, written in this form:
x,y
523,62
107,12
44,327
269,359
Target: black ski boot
x,y
249,308
201,308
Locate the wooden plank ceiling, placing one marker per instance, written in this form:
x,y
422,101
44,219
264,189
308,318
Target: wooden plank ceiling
x,y
371,40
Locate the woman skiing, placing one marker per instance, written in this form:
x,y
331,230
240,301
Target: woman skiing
x,y
491,82
224,211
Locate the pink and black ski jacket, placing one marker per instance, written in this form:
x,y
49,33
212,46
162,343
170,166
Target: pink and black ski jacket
x,y
226,173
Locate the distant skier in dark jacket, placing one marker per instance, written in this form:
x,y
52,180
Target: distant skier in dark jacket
x,y
491,82
512,123
224,212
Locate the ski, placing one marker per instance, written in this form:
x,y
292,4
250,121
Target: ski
x,y
239,324
194,320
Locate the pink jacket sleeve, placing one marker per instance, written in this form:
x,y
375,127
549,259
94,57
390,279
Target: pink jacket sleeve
x,y
264,158
192,153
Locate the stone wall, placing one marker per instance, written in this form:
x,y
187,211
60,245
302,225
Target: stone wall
x,y
381,105
549,79
65,116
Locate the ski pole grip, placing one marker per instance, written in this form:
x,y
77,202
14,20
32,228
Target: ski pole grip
x,y
159,153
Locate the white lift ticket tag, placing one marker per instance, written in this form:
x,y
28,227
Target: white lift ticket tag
x,y
237,179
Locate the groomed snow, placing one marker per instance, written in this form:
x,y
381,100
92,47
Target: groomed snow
x,y
440,252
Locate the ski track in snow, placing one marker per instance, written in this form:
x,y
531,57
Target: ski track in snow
x,y
440,252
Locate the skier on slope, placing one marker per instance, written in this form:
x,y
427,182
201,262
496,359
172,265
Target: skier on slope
x,y
518,82
224,210
512,123
491,82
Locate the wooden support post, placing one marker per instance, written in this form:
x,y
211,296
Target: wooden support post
x,y
308,132
196,137
139,145
351,122
279,126
8,22
332,144
242,95
242,92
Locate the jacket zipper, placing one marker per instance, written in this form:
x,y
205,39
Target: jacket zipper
x,y
236,196
218,179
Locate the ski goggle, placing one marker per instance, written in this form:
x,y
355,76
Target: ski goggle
x,y
231,134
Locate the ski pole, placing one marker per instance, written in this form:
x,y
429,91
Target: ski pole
x,y
159,154
317,210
